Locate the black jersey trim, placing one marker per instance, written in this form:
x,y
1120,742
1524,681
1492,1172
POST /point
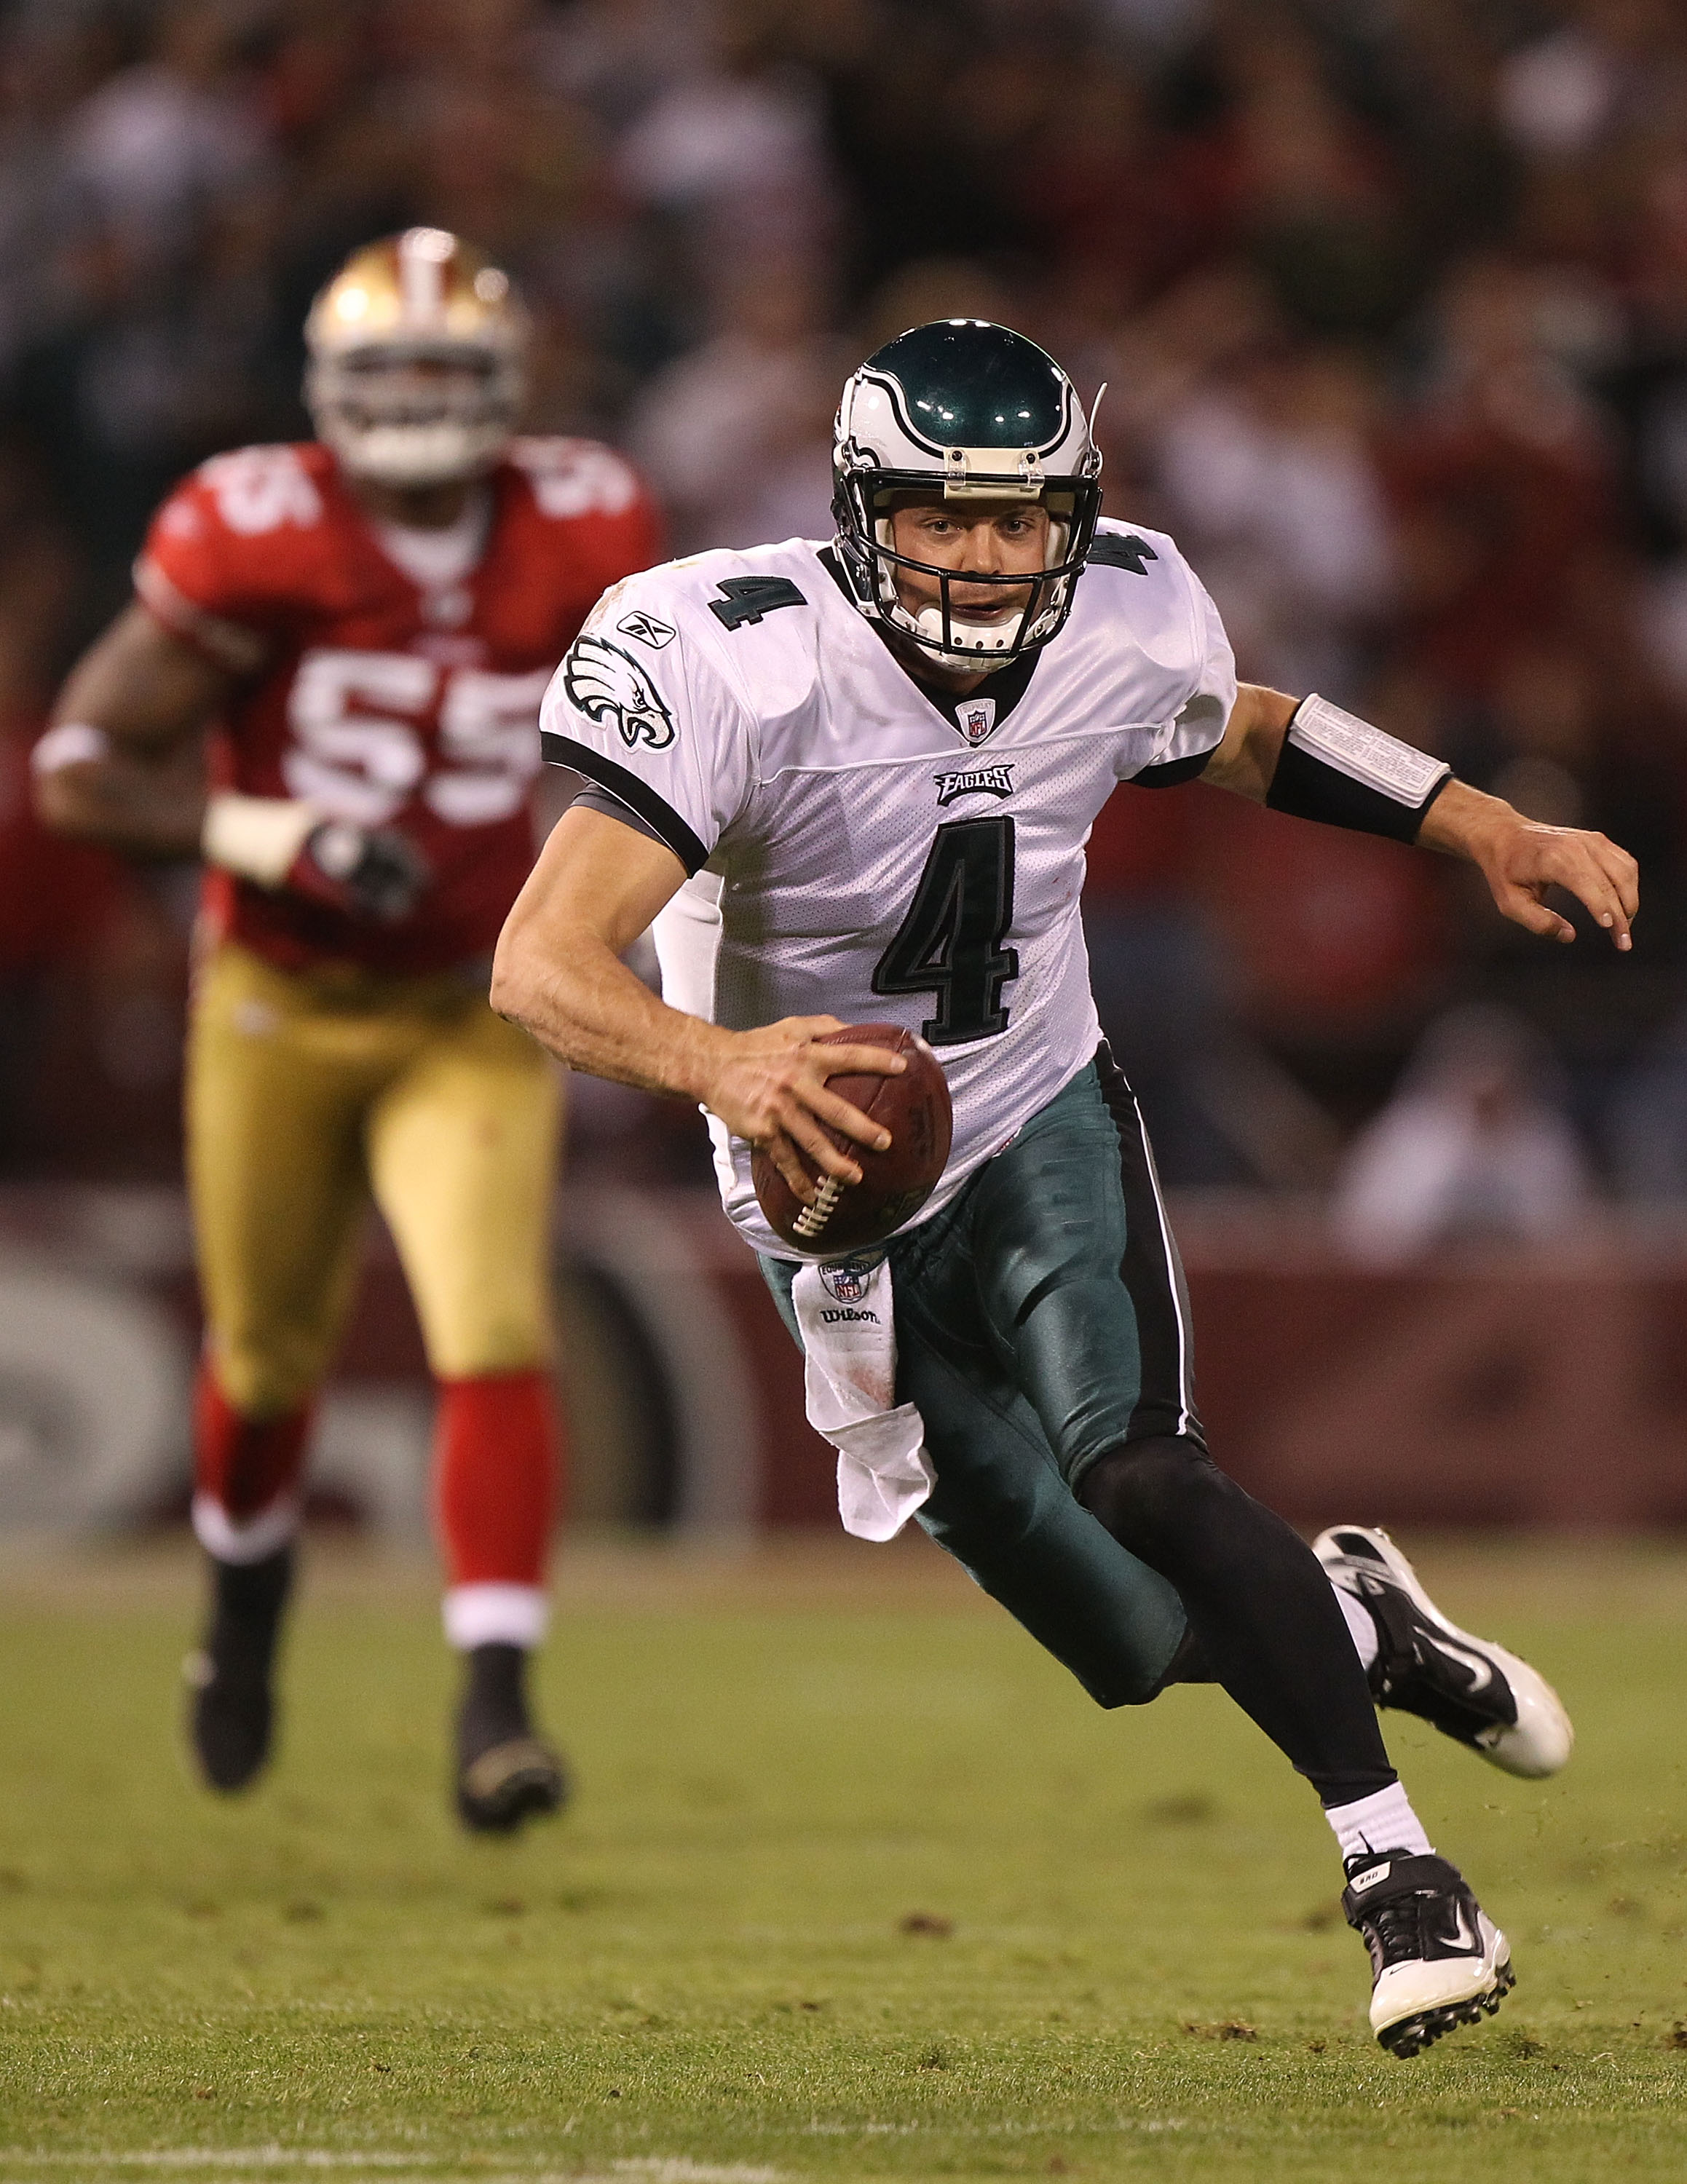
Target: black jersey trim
x,y
657,815
1173,770
1006,685
828,560
593,799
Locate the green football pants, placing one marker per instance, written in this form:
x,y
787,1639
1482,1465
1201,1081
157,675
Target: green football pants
x,y
1041,1320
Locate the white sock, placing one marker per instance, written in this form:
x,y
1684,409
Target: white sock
x,y
495,1614
1362,1626
1383,1821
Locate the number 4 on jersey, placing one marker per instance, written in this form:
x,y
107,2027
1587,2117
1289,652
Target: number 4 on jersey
x,y
950,942
748,598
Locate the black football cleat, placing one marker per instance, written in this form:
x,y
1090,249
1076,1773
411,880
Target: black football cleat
x,y
232,1712
1437,1960
506,1773
1468,1688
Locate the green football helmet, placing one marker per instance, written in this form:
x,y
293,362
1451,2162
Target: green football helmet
x,y
962,411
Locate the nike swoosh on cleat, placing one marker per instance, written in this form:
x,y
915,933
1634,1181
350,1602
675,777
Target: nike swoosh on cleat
x,y
1482,1672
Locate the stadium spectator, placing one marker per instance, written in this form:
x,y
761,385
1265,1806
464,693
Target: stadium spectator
x,y
737,434
1271,477
1392,303
1469,1150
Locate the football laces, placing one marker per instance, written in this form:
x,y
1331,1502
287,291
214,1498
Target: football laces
x,y
812,1220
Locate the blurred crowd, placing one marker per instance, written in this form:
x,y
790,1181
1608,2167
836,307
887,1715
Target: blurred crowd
x,y
1389,298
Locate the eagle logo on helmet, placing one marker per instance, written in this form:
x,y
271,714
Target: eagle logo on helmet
x,y
603,683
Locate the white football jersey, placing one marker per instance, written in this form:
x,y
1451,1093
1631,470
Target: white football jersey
x,y
862,847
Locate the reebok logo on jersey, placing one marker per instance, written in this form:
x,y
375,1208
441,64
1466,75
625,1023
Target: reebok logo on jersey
x,y
975,781
603,683
647,629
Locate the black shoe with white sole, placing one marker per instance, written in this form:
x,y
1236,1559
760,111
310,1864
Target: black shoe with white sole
x,y
232,1713
1437,1960
1467,1687
506,1773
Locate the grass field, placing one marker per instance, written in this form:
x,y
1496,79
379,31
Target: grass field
x,y
857,1885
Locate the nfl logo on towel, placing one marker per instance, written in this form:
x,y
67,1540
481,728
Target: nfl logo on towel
x,y
847,1282
977,718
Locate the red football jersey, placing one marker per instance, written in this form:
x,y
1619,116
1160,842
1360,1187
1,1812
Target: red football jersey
x,y
384,703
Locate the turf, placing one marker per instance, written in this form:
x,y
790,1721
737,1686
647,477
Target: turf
x,y
857,1885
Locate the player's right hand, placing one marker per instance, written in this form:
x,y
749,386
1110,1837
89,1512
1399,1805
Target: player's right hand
x,y
1521,858
769,1086
374,873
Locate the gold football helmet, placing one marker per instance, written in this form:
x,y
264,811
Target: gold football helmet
x,y
418,349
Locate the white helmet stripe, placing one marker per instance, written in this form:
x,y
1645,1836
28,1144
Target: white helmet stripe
x,y
936,410
424,253
924,437
419,299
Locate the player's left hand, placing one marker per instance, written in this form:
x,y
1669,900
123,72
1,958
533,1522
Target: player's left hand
x,y
1520,859
372,872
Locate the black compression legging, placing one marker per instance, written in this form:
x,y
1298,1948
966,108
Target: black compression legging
x,y
1263,1614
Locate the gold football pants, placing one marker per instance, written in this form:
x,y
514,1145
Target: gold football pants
x,y
308,1093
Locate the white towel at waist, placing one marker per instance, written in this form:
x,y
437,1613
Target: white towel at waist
x,y
846,1314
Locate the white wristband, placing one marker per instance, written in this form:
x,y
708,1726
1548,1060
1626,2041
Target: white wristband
x,y
72,743
1365,754
257,837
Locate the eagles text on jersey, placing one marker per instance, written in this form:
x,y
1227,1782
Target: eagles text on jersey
x,y
861,846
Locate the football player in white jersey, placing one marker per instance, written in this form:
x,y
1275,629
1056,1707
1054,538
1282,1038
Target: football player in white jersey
x,y
854,780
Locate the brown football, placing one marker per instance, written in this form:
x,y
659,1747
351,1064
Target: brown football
x,y
895,1183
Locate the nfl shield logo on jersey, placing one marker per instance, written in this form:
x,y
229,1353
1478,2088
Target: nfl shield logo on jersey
x,y
977,717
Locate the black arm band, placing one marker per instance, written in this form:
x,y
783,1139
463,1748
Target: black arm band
x,y
1337,768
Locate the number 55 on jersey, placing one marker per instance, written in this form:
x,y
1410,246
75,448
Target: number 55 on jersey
x,y
380,696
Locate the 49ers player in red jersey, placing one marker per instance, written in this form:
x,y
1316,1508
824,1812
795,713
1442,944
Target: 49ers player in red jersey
x,y
363,628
